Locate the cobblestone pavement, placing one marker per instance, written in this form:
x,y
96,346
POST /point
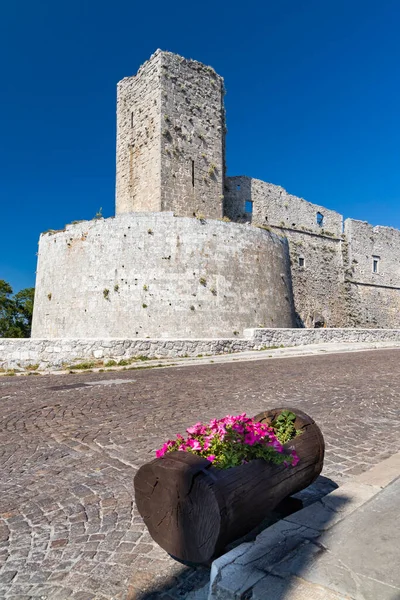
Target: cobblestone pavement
x,y
68,454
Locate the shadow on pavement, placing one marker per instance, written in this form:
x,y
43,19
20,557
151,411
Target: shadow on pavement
x,y
191,578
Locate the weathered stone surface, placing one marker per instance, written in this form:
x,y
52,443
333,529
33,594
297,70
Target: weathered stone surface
x,y
315,250
138,170
373,297
332,263
156,275
170,138
137,278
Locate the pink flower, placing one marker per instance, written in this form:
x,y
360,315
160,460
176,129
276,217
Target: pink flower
x,y
250,438
295,458
237,434
238,428
162,451
275,444
197,429
214,425
194,444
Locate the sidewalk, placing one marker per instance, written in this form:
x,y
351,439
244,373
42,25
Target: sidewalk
x,y
345,546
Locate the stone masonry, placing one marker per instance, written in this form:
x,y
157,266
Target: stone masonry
x,y
315,250
344,274
31,354
138,173
170,138
153,274
168,267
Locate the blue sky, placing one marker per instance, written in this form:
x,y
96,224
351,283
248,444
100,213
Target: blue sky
x,y
312,104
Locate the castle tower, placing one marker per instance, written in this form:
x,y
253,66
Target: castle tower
x,y
171,138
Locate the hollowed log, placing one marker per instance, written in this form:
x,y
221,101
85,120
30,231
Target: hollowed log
x,y
193,510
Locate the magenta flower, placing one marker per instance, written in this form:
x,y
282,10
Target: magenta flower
x,y
214,425
234,439
162,451
194,444
250,439
197,429
295,458
238,428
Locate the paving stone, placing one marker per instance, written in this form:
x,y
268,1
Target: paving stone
x,y
68,459
333,508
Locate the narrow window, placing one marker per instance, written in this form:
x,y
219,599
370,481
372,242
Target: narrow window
x,y
301,261
375,264
192,173
132,120
248,206
320,219
238,186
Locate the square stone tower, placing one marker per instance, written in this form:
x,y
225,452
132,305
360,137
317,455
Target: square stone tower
x,y
171,138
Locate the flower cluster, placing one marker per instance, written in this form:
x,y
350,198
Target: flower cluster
x,y
230,442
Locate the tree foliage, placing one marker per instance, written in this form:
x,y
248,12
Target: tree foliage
x,y
15,311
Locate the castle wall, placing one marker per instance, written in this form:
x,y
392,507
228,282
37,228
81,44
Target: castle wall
x,y
170,138
315,250
154,275
138,170
273,206
373,297
284,261
192,138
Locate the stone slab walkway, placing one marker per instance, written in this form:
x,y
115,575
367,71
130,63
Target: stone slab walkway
x,y
344,546
69,450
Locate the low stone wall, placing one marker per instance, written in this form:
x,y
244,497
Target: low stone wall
x,y
301,337
53,354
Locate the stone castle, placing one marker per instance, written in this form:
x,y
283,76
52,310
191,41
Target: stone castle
x,y
194,253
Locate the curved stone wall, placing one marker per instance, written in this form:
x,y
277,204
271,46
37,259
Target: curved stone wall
x,y
156,275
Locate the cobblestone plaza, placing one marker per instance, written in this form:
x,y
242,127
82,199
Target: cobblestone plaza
x,y
70,447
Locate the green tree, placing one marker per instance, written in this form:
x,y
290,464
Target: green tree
x,y
15,311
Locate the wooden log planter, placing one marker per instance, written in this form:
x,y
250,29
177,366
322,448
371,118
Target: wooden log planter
x,y
193,510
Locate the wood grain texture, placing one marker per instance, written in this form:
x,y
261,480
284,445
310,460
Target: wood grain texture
x,y
193,510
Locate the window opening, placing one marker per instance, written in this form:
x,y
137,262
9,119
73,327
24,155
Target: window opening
x,y
238,186
131,120
301,261
320,219
375,264
192,173
248,206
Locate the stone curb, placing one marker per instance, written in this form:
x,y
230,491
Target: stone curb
x,y
250,355
246,571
